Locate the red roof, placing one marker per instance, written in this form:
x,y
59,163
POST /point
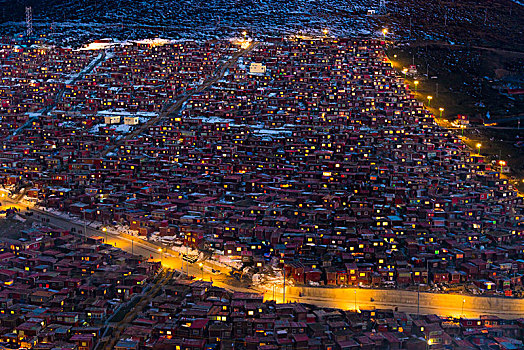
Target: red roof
x,y
199,324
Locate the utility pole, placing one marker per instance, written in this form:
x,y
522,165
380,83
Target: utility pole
x,y
284,289
85,225
427,269
382,7
418,298
29,20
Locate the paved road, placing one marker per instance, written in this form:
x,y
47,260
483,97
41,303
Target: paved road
x,y
344,298
170,259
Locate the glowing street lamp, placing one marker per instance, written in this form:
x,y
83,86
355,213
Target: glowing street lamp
x,y
478,147
416,82
502,164
104,229
160,251
441,110
405,71
429,100
463,302
325,31
384,32
244,33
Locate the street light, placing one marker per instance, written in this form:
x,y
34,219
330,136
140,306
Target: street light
x,y
104,229
384,32
478,147
416,82
463,302
441,110
325,31
85,224
284,286
405,71
160,251
429,100
244,33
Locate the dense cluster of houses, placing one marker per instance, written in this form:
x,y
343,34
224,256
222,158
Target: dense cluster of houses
x,y
76,102
308,154
30,80
57,290
197,315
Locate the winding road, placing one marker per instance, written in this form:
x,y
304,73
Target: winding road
x,y
344,298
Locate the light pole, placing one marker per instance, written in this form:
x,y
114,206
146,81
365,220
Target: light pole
x,y
463,302
384,32
284,289
418,297
85,225
405,71
160,251
104,229
478,147
187,255
429,100
441,110
502,163
416,82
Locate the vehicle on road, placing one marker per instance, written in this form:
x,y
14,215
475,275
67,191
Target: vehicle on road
x,y
236,275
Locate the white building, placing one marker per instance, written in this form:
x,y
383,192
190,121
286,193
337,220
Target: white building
x,y
131,120
257,68
112,119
